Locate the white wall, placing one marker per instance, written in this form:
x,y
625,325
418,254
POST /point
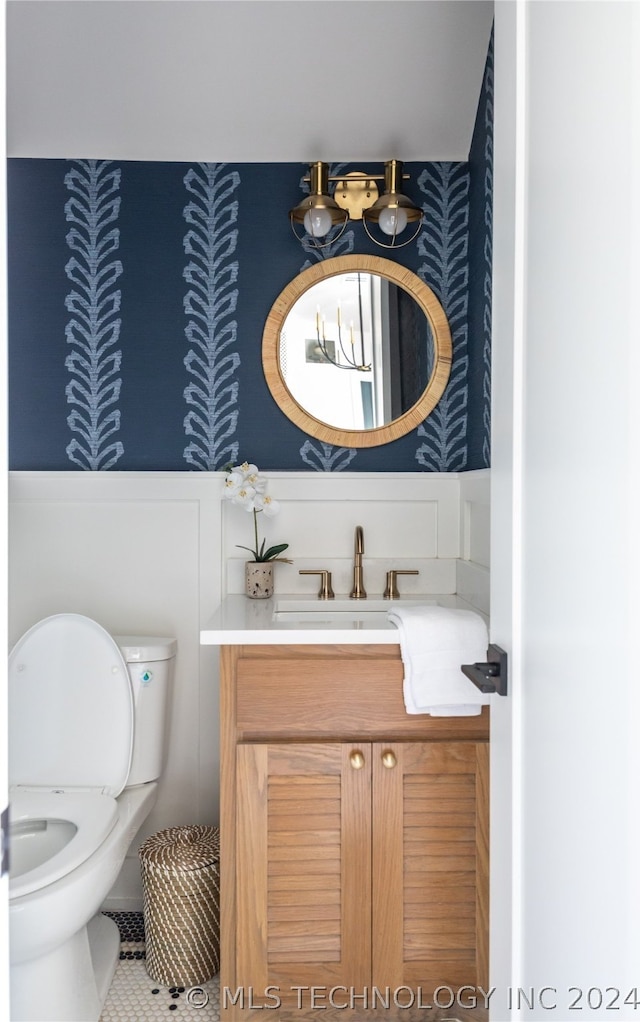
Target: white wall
x,y
152,552
506,802
579,330
4,880
565,385
140,553
258,81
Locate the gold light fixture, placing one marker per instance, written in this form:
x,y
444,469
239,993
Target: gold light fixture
x,y
318,212
356,197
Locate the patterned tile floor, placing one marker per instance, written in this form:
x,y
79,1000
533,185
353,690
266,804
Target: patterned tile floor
x,y
135,997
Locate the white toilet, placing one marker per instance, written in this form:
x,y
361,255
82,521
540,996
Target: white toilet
x,y
87,725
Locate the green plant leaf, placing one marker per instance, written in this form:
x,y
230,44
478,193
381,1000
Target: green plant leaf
x,y
251,551
272,552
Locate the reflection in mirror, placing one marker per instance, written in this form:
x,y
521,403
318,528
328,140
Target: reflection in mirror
x,y
356,351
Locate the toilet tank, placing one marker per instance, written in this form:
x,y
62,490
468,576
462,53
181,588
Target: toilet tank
x,y
150,661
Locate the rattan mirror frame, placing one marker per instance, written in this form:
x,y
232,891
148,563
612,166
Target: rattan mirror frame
x,y
432,309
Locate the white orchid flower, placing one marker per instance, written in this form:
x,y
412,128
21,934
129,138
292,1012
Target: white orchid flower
x,y
233,483
254,479
245,497
251,474
243,477
267,504
245,486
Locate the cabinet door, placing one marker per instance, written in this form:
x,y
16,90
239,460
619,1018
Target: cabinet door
x,y
303,891
430,864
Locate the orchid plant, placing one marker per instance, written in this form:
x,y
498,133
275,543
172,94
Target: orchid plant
x,y
245,486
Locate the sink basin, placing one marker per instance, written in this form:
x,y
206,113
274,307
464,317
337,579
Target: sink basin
x,y
313,611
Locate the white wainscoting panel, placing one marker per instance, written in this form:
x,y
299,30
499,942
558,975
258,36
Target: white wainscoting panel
x,y
409,521
153,552
472,568
128,550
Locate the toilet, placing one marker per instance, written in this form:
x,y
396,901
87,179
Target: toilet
x,y
87,736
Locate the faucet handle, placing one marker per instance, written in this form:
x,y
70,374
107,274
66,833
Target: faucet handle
x,y
391,592
326,592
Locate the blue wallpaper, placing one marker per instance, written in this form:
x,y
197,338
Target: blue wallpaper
x,y
210,306
480,266
138,294
444,247
93,304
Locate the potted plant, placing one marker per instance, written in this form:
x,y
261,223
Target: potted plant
x,y
245,486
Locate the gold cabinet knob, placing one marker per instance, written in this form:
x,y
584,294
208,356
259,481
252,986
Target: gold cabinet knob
x,y
356,759
389,759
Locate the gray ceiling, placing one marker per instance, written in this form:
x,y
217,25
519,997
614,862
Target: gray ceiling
x,y
245,80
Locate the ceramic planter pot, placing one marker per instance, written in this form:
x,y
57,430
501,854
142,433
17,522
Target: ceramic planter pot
x,y
259,579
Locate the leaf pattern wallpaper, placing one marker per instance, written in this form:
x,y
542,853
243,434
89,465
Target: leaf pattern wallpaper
x,y
93,329
444,245
487,97
210,304
138,293
480,266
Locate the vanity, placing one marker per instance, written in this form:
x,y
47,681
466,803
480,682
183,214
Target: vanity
x,y
354,836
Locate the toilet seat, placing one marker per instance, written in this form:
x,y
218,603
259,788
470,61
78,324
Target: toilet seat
x,y
70,708
70,742
92,813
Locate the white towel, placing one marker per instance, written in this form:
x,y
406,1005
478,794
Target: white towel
x,y
434,643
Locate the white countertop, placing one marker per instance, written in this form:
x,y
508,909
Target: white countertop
x,y
306,620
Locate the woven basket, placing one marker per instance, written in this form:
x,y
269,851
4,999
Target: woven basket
x,y
181,904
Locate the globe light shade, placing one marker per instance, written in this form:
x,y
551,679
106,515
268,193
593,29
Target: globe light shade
x,y
317,222
392,220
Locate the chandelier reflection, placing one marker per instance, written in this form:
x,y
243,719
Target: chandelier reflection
x,y
343,353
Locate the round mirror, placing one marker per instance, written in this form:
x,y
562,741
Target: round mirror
x,y
356,351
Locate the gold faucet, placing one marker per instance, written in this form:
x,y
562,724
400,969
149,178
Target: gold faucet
x,y
358,592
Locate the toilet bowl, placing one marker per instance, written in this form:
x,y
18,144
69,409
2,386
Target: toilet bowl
x,y
53,833
87,714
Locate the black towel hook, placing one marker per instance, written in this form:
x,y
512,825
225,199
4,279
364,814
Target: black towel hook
x,y
491,676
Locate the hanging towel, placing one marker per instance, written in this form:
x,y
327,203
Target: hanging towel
x,y
434,643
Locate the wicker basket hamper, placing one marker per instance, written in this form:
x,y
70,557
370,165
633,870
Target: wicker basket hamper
x,y
181,904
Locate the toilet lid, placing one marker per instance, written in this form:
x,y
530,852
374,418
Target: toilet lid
x,y
70,707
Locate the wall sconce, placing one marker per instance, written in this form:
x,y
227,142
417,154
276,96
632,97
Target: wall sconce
x,y
356,197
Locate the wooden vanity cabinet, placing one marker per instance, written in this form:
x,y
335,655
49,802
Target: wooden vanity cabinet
x,y
354,837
